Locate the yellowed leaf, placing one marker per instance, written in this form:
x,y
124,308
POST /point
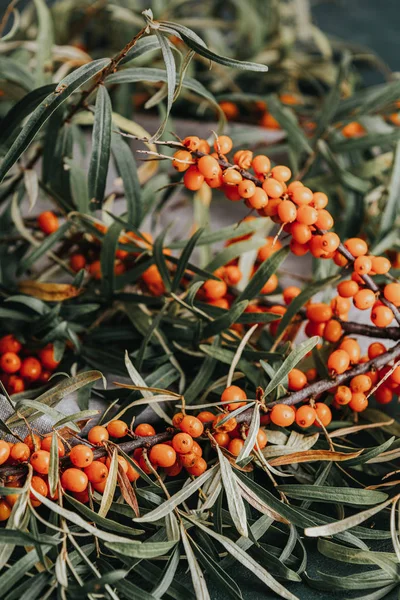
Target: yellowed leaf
x,y
49,292
313,456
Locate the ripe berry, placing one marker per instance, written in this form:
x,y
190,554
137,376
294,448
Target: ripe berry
x,y
204,416
324,414
231,177
10,362
270,285
74,480
117,428
162,455
330,241
352,347
77,262
305,416
347,289
222,439
359,402
235,446
287,211
97,435
46,356
8,343
192,425
81,456
343,395
376,349
39,485
290,293
235,395
282,415
227,426
243,159
175,469
208,166
319,312
261,164
296,380
15,384
48,222
262,439
338,361
193,179
232,275
30,369
301,195
333,331
353,129
198,468
182,443
4,451
223,144
391,292
364,299
307,215
383,395
325,220
5,510
381,316
192,142
40,461
360,383
300,233
46,444
356,246
380,265
281,173
121,462
273,188
95,269
33,444
246,188
320,200
96,472
20,452
214,290
182,160
363,265
258,200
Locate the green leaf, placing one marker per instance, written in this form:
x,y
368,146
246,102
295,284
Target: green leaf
x,y
291,361
107,258
126,167
92,516
391,209
184,258
168,575
251,436
289,124
225,320
236,505
226,233
216,572
46,245
64,89
342,495
54,472
108,494
198,581
101,144
13,575
263,273
79,186
135,549
170,68
44,41
159,258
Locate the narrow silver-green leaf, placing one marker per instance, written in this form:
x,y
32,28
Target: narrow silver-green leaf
x,y
236,505
101,146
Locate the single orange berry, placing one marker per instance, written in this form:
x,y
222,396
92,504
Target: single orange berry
x,y
48,222
198,468
4,451
261,164
333,331
301,195
40,461
324,414
204,416
96,472
358,402
330,241
97,435
5,510
307,215
196,449
232,275
364,299
290,293
382,316
121,462
30,369
8,343
391,292
46,444
352,347
287,211
353,129
193,179
380,265
281,173
182,443
77,262
33,441
74,480
20,452
235,446
117,428
15,384
145,430
319,312
356,246
343,395
235,396
95,269
376,349
46,356
227,426
208,166
192,142
258,200
383,395
243,159
214,290
347,289
39,485
162,455
10,362
262,439
176,420
305,416
325,220
320,200
338,361
192,425
223,144
360,383
246,188
282,415
296,380
222,439
301,233
81,456
363,265
231,177
182,160
273,188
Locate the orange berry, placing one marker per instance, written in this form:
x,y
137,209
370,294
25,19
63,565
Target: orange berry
x,y
305,416
347,289
352,347
270,285
95,269
301,234
231,192
261,164
117,428
147,430
353,129
319,312
358,402
198,468
40,461
33,444
230,109
188,460
320,200
176,420
333,331
262,439
258,200
391,292
223,144
162,455
273,188
81,456
395,376
175,469
360,383
193,179
282,415
232,275
192,425
307,215
343,395
46,444
20,452
246,188
338,361
281,173
339,259
301,195
15,384
182,443
296,380
243,159
376,349
222,439
380,265
97,435
48,222
10,362
268,249
192,142
74,480
182,160
196,449
290,293
235,446
235,395
325,220
46,356
324,414
340,306
214,290
330,241
311,374
77,262
268,121
96,472
364,299
363,265
121,462
8,343
316,248
99,487
287,211
30,368
227,426
381,316
4,451
205,416
231,177
5,510
356,246
39,485
208,166
383,395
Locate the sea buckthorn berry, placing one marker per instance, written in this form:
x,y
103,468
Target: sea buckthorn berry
x,y
395,376
208,166
364,299
205,416
47,222
232,177
380,264
8,343
268,249
10,362
362,265
305,416
204,146
330,241
340,306
46,356
376,349
175,469
99,487
262,439
340,260
214,289
348,288
391,291
196,449
232,275
30,368
192,143
176,420
282,415
117,428
243,159
301,195
246,188
324,414
182,443
40,461
162,455
358,402
268,121
147,430
352,347
188,460
199,467
96,472
281,173
121,462
287,211
338,361
320,200
235,395
273,188
39,485
383,395
296,380
270,285
235,446
315,247
311,374
333,331
231,192
360,383
192,425
307,215
356,246
20,452
5,510
343,395
271,210
261,164
319,312
97,435
33,441
230,109
4,451
182,160
222,439
325,220
46,444
290,293
223,144
95,269
227,426
258,200
15,384
382,316
353,129
193,179
74,480
81,456
298,249
312,328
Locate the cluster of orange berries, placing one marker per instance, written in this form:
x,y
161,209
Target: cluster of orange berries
x,y
19,369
